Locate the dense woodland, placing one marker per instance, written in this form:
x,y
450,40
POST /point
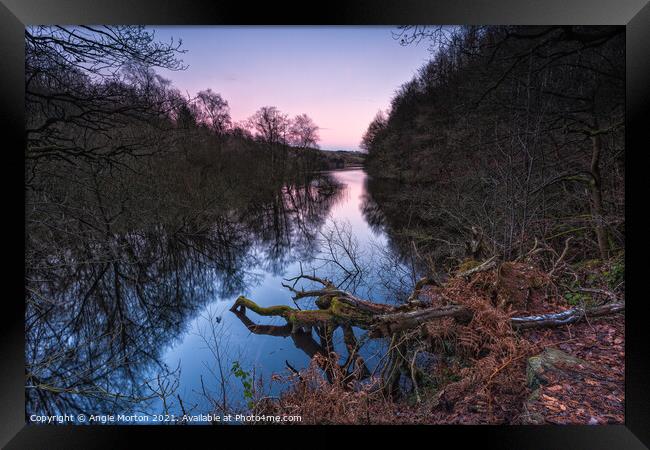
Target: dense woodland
x,y
509,134
497,174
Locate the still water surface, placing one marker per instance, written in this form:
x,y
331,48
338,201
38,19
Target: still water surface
x,y
194,353
116,321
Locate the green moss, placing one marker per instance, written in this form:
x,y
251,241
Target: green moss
x,y
533,372
278,310
578,298
616,274
338,312
323,302
550,359
468,264
345,312
309,317
588,264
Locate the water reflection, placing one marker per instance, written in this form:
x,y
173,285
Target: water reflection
x,y
265,345
103,309
404,212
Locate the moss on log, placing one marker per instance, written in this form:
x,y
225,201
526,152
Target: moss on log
x,y
384,320
277,310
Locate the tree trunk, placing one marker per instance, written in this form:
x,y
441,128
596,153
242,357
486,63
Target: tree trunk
x,y
565,317
387,321
597,199
338,308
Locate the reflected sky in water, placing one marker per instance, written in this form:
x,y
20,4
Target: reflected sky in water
x,y
266,354
114,319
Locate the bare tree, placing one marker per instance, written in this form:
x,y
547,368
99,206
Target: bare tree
x,y
303,132
84,85
271,127
214,111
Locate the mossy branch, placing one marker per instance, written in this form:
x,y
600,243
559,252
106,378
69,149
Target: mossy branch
x,y
242,304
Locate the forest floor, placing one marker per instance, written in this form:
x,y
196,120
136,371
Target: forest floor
x,y
485,372
591,391
595,395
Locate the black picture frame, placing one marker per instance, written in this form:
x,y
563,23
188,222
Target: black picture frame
x,y
15,14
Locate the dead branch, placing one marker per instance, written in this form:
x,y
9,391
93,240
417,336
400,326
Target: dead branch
x,y
611,295
565,317
559,260
486,265
384,320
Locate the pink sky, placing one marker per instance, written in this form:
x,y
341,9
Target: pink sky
x,y
339,76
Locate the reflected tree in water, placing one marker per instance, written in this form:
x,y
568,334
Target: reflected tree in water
x,y
108,293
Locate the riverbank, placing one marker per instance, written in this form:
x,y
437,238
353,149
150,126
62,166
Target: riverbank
x,y
341,159
484,371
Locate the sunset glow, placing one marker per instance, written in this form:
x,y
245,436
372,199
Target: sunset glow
x,y
340,76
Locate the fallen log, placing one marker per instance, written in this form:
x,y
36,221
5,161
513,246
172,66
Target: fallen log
x,y
337,308
384,320
565,317
389,324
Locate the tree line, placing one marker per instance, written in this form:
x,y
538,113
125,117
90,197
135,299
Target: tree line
x,y
508,135
93,95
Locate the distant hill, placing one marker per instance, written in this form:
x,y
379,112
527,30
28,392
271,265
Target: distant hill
x,y
339,159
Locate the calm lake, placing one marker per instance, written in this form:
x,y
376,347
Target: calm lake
x,y
216,332
142,322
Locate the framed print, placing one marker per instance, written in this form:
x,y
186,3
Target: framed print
x,y
369,217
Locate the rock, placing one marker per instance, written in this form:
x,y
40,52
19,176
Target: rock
x,y
545,368
549,361
534,418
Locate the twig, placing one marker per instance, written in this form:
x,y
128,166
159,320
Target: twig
x,y
559,260
486,265
293,370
